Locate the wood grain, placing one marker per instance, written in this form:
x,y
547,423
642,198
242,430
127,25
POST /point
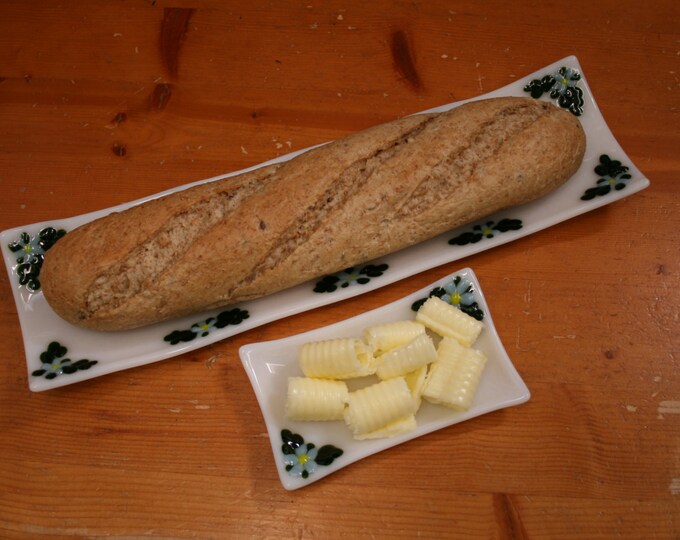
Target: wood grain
x,y
102,103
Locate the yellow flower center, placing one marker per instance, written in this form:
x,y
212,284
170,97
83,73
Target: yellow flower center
x,y
455,298
205,326
28,248
303,458
612,181
565,82
487,231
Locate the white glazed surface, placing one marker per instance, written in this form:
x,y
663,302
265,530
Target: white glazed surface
x,y
269,364
117,351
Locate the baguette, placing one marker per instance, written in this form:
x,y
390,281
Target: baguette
x,y
335,206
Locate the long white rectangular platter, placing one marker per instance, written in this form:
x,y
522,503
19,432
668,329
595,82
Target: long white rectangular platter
x,y
59,354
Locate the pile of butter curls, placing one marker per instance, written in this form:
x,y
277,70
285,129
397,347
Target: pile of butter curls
x,y
408,363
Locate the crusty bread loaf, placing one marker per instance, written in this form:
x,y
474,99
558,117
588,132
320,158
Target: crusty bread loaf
x,y
347,202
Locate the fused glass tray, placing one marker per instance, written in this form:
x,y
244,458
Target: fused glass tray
x,y
59,354
269,364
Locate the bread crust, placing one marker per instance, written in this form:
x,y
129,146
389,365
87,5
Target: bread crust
x,y
353,200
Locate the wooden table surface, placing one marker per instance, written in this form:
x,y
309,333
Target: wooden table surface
x,y
105,102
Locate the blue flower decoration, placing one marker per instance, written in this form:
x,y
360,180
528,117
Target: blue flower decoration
x,y
29,251
27,248
488,229
301,462
51,370
202,329
460,293
565,78
53,364
613,175
302,459
561,86
349,276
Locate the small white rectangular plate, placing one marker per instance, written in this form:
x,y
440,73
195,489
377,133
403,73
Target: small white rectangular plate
x,y
270,363
109,352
